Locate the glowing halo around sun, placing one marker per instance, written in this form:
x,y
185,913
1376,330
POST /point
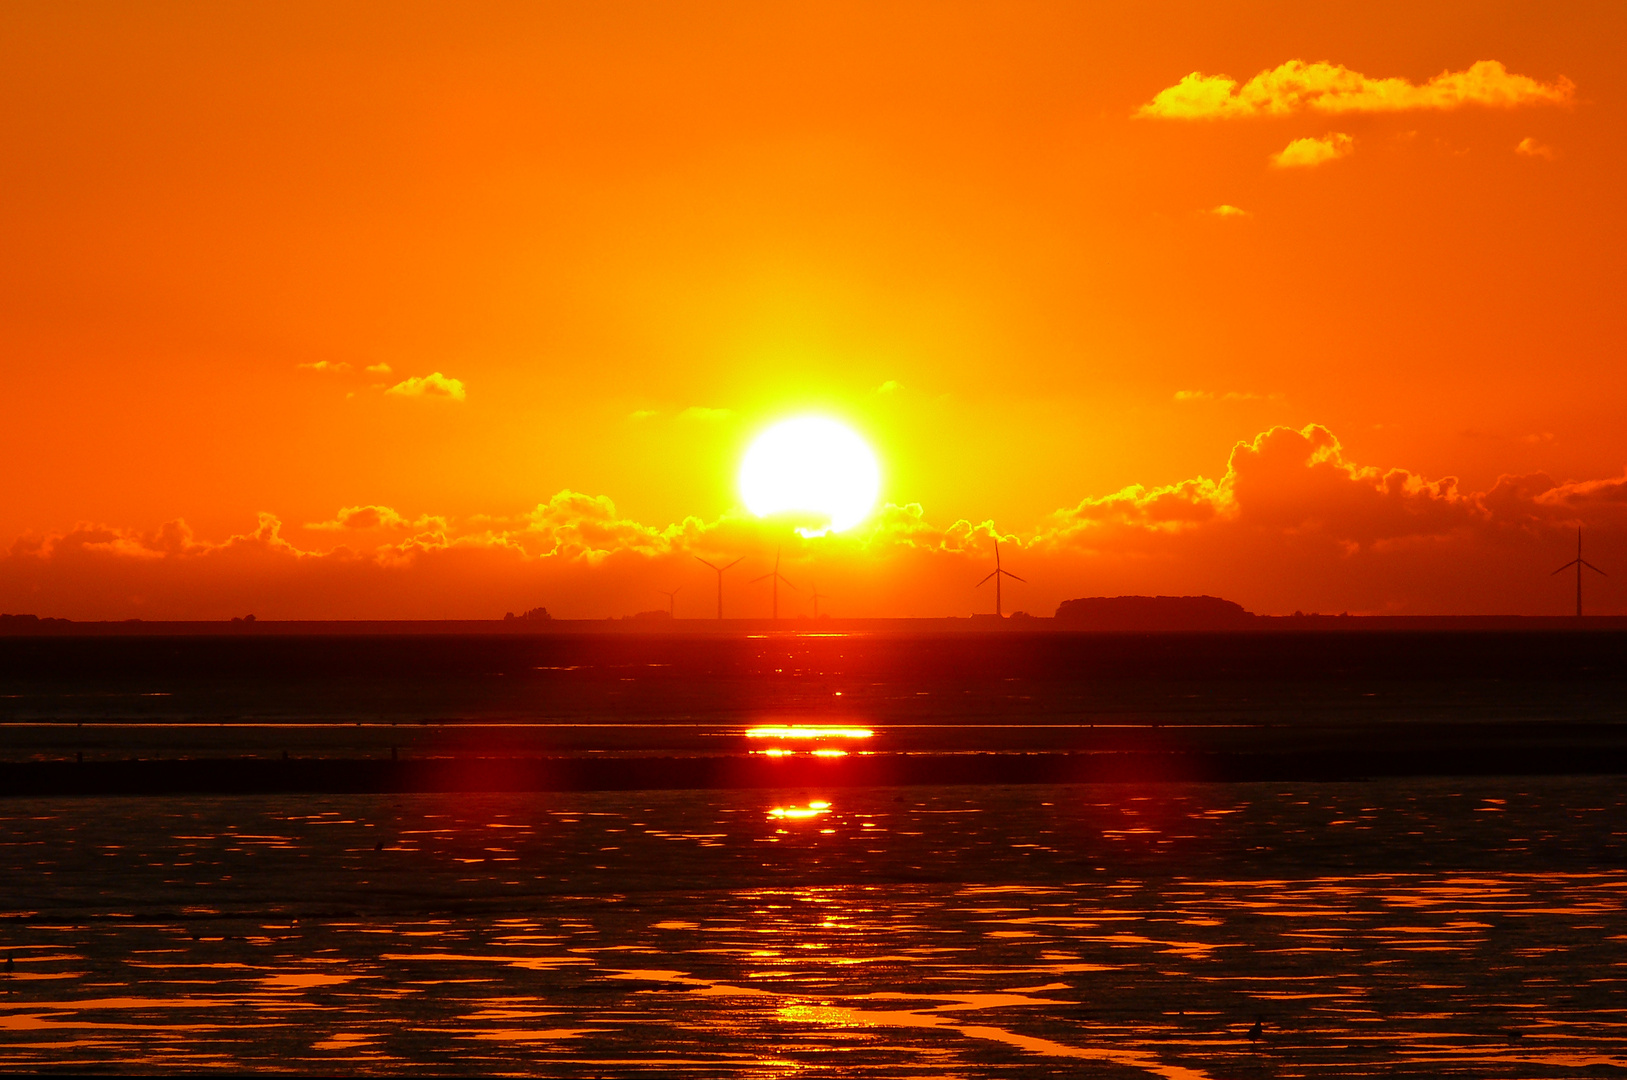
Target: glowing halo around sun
x,y
811,465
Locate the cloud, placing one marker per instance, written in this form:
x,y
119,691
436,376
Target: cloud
x,y
1226,210
704,414
362,517
338,367
1310,152
1529,147
1292,522
380,368
642,414
1300,87
1229,395
891,386
432,385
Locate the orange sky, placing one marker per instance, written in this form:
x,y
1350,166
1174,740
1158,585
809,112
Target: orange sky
x,y
606,243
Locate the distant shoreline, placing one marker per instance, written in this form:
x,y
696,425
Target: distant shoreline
x,y
14,626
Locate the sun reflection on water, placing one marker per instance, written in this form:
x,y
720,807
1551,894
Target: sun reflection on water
x,y
795,813
797,731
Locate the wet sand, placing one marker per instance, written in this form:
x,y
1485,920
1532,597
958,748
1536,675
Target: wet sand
x,y
564,856
1421,928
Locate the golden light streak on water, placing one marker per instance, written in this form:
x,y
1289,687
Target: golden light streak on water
x,y
798,732
814,809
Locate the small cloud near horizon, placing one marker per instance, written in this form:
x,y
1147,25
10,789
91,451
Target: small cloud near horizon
x,y
338,367
704,414
1529,147
643,414
360,517
374,516
432,385
1229,395
1309,152
891,386
379,368
1227,210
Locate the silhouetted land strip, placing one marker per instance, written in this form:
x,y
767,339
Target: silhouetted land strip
x,y
1107,620
337,776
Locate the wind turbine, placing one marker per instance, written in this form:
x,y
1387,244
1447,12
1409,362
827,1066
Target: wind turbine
x,y
672,600
719,570
818,596
1579,562
997,575
776,577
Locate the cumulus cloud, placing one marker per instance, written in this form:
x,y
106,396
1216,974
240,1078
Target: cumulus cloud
x,y
642,414
891,386
361,517
379,368
1310,152
432,385
337,367
1300,87
1227,210
1529,147
1292,522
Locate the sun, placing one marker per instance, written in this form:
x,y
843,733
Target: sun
x,y
815,466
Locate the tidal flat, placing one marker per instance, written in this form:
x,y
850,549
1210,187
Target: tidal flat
x,y
378,855
1420,928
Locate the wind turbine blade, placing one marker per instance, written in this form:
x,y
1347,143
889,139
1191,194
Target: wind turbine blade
x,y
1567,566
737,560
1009,574
985,581
787,583
701,560
1590,566
762,577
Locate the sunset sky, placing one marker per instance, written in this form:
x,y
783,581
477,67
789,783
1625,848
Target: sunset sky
x,y
349,310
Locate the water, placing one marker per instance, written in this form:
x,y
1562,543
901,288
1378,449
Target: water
x,y
1398,928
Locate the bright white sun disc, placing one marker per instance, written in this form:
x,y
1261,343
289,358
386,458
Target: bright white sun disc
x,y
811,465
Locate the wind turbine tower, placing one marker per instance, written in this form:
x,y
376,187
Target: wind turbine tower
x,y
672,600
719,570
776,577
997,575
1579,562
818,596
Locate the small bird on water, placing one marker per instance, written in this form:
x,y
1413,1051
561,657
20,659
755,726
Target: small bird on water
x,y
1257,1030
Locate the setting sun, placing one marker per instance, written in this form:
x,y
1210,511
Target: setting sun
x,y
811,465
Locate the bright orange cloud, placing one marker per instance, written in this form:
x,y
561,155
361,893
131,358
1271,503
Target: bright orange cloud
x,y
1299,87
362,517
1309,152
1291,523
432,385
1529,147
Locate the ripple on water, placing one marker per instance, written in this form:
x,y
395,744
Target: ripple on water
x,y
649,933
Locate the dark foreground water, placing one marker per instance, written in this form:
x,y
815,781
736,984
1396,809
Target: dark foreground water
x,y
1399,929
